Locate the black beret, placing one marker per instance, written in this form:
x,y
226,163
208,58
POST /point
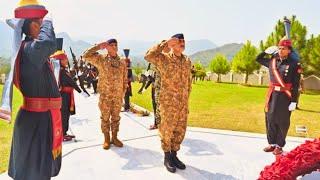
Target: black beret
x,y
112,41
179,36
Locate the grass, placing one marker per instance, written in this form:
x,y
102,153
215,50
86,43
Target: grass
x,y
239,108
6,131
212,105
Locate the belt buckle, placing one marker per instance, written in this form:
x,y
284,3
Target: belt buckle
x,y
277,88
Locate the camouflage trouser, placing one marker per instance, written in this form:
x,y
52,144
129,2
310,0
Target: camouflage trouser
x,y
173,125
110,113
157,87
157,113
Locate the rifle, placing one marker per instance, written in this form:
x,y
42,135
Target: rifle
x,y
287,26
75,62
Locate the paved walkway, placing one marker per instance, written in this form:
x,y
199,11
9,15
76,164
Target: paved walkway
x,y
208,153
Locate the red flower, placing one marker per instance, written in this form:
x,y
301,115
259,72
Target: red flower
x,y
302,160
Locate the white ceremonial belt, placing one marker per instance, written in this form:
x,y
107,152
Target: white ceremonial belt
x,y
277,88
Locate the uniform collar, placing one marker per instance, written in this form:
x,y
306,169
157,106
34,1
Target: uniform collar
x,y
113,58
182,57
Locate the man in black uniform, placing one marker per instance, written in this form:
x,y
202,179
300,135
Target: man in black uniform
x,y
66,86
90,75
94,73
82,76
282,95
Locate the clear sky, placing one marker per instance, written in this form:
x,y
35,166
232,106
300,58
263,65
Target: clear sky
x,y
221,21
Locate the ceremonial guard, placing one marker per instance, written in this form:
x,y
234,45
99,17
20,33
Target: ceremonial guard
x,y
281,99
66,85
37,137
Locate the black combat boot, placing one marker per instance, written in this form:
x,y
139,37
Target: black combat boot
x,y
168,162
176,162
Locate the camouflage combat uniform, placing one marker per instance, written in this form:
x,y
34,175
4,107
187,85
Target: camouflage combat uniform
x,y
112,86
175,75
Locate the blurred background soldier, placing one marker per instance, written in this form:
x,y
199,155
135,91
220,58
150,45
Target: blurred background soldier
x,y
130,79
95,74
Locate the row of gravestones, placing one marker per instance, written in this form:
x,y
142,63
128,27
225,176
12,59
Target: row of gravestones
x,y
2,78
253,79
311,82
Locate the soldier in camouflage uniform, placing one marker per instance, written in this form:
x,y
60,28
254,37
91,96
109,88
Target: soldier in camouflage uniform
x,y
112,86
175,72
154,81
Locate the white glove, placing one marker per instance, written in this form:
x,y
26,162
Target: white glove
x,y
292,106
272,50
48,17
84,94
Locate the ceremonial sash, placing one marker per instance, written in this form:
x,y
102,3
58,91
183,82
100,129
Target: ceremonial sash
x,y
53,105
279,85
278,78
69,90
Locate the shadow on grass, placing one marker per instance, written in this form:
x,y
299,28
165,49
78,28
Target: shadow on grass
x,y
231,83
307,110
255,86
311,92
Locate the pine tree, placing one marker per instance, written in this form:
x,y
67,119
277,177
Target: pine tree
x,y
311,56
245,60
219,65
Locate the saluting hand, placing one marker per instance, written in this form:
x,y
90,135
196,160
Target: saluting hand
x,y
272,50
172,42
103,45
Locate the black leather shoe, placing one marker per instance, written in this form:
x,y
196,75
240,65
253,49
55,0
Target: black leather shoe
x,y
168,162
177,163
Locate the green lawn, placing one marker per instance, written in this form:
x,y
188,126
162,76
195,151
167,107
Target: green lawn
x,y
212,105
6,132
239,108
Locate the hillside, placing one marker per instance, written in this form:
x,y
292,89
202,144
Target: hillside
x,y
229,50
